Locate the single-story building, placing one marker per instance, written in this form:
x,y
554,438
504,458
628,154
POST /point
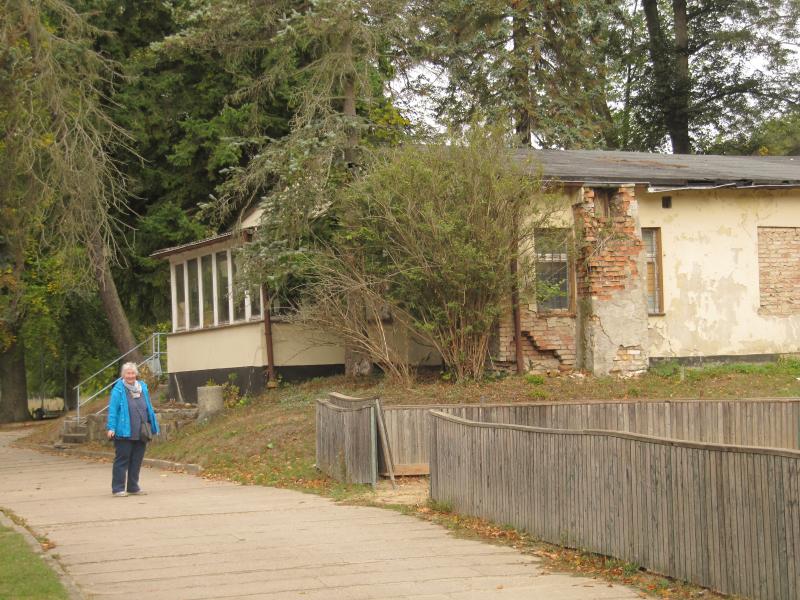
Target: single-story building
x,y
684,257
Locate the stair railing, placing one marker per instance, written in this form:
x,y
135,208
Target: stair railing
x,y
154,360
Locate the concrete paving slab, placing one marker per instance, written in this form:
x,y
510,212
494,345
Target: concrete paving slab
x,y
196,539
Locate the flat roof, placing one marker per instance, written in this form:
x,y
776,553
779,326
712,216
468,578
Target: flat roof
x,y
680,170
165,252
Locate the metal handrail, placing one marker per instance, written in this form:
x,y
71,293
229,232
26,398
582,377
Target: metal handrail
x,y
116,360
155,340
97,393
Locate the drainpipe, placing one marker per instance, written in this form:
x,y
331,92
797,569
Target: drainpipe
x,y
517,319
515,297
271,379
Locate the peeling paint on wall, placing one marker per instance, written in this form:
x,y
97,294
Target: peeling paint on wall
x,y
711,290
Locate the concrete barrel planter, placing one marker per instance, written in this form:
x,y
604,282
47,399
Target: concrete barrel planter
x,y
209,401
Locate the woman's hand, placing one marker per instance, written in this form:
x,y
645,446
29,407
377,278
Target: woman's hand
x,y
110,434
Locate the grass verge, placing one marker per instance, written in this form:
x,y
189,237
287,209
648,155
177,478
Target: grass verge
x,y
23,573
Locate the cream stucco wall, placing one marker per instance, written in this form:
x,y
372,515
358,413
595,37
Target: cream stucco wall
x,y
710,272
295,345
244,346
408,346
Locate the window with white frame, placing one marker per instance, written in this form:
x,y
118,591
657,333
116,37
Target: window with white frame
x,y
553,269
203,293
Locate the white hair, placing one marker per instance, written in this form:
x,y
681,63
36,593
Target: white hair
x,y
129,365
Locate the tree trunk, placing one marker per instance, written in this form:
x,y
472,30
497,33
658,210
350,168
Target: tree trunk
x,y
13,382
271,377
356,363
671,72
73,378
659,54
517,318
679,117
349,108
519,74
117,319
625,135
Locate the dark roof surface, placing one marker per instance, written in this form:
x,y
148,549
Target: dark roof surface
x,y
678,170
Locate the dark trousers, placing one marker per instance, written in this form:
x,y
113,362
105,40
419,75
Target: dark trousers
x,y
127,461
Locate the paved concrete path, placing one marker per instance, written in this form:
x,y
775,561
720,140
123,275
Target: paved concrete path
x,y
191,538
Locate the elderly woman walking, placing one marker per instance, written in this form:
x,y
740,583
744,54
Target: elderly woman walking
x,y
131,423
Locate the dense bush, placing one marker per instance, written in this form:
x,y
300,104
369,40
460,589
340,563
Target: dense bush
x,y
428,236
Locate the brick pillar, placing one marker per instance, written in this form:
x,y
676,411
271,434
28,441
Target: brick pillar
x,y
612,294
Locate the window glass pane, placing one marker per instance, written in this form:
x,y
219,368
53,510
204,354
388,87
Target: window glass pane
x,y
208,295
180,297
649,237
194,293
652,288
255,303
238,299
552,269
653,277
222,287
552,286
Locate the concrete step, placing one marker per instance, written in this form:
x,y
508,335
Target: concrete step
x,y
71,424
66,445
74,438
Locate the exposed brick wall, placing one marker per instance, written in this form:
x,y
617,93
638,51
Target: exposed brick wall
x,y
612,303
779,270
629,359
548,341
609,245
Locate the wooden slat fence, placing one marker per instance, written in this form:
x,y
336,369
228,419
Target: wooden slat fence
x,y
723,516
772,423
346,441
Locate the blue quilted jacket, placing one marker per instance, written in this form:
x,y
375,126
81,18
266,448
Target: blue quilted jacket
x,y
119,418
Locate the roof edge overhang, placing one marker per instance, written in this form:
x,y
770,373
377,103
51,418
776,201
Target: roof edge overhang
x,y
209,241
735,186
672,185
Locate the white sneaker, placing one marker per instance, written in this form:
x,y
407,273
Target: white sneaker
x,y
119,494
